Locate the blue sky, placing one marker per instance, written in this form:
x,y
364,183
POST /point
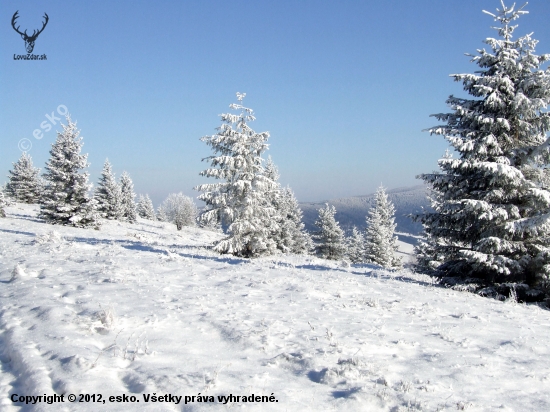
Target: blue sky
x,y
345,88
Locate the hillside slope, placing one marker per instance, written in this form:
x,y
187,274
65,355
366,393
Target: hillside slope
x,y
142,310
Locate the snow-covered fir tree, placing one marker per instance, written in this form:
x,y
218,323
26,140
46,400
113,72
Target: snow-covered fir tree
x,y
492,201
301,242
161,214
24,183
145,208
108,194
274,198
288,231
356,246
271,171
3,203
179,210
240,199
65,199
380,239
127,198
330,240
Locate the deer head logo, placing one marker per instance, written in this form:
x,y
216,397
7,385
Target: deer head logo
x,y
29,40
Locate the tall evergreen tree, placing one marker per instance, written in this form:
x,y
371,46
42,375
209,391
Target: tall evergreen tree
x,y
240,200
24,183
145,208
492,201
380,240
330,237
127,198
65,199
108,194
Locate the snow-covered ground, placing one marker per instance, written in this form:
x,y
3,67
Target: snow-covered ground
x,y
143,309
405,252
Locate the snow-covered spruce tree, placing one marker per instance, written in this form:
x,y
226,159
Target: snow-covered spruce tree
x,y
288,232
161,214
65,199
274,197
145,208
3,203
240,199
356,246
24,183
292,220
491,202
271,171
180,210
330,237
127,198
380,239
108,194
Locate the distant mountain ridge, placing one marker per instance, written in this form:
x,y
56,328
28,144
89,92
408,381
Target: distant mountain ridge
x,y
351,211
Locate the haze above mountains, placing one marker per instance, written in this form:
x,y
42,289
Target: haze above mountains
x,y
352,211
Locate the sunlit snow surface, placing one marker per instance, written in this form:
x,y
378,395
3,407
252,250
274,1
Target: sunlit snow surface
x,y
142,308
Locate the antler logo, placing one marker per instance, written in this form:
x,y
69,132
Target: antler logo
x,y
29,40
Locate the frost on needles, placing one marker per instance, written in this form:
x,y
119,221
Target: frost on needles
x,y
145,208
330,237
355,245
3,203
24,183
491,199
108,194
128,203
239,201
380,240
288,232
65,199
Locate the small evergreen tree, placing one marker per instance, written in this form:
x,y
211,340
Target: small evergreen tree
x,y
296,237
180,210
24,183
271,171
288,231
240,200
65,200
380,241
492,201
356,246
330,237
161,214
128,203
3,204
278,232
145,208
108,194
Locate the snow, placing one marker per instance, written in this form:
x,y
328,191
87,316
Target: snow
x,y
490,201
241,201
144,308
405,251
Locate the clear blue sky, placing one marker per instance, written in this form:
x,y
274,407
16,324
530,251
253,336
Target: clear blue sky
x,y
344,87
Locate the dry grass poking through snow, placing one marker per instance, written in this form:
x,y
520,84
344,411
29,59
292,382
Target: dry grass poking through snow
x,y
146,309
